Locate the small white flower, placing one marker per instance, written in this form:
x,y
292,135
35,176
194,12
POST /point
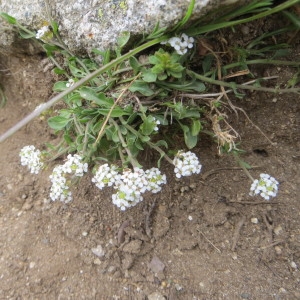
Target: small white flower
x,y
70,82
41,32
31,157
266,186
186,164
180,44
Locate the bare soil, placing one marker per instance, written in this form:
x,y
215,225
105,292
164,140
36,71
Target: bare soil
x,y
202,237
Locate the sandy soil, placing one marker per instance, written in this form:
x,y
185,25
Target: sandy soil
x,y
203,237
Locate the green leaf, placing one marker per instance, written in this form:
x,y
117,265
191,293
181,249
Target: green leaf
x,y
149,76
115,136
26,35
68,139
105,55
189,139
186,17
123,39
77,72
117,112
196,127
141,87
54,26
134,63
8,18
59,71
207,63
59,86
50,49
58,122
161,143
88,93
148,125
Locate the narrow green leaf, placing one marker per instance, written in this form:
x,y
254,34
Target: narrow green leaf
x,y
134,63
161,143
54,26
8,18
196,127
117,112
88,93
26,35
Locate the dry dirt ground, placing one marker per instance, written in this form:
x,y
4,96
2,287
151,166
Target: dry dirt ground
x,y
198,239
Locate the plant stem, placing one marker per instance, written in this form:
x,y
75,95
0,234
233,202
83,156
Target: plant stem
x,y
234,86
242,165
132,160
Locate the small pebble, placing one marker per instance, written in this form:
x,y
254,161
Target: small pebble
x,y
234,256
190,218
278,250
178,287
31,265
278,230
98,251
254,220
246,296
97,262
84,233
282,290
294,265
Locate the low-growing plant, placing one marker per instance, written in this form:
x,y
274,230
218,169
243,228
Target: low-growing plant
x,y
114,111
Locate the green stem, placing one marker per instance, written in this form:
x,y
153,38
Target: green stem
x,y
234,86
242,165
132,160
78,84
256,62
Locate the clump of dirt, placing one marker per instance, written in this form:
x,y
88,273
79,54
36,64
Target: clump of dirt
x,y
202,237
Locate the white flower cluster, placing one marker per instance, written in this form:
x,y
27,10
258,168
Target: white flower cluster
x,y
186,164
60,189
41,32
181,44
130,185
31,157
106,176
266,187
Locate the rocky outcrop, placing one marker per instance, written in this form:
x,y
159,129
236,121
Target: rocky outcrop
x,y
84,24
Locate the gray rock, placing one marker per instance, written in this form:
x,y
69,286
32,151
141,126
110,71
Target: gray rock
x,y
85,25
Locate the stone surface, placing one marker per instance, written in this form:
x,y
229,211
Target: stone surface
x,y
85,25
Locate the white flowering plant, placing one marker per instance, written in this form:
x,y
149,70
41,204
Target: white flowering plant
x,y
116,105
